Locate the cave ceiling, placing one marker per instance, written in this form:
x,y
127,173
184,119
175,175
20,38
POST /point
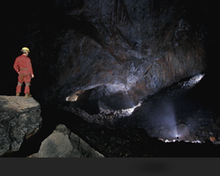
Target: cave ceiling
x,y
128,48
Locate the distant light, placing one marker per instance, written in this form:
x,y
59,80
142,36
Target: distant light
x,y
72,98
166,141
193,81
129,111
198,78
197,141
174,140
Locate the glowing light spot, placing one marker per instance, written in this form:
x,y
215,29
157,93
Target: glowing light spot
x,y
193,81
198,78
72,98
197,141
166,141
129,111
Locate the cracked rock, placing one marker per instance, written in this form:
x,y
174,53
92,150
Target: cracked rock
x,y
19,119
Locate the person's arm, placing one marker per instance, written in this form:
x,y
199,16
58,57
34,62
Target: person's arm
x,y
16,66
30,68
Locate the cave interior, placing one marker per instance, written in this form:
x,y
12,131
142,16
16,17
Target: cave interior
x,y
120,65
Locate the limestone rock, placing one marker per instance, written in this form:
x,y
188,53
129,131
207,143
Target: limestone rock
x,y
62,143
19,118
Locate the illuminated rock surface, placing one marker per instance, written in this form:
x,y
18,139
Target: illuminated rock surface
x,y
105,60
64,144
112,49
19,119
173,112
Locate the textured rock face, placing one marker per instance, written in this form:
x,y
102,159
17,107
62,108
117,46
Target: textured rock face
x,y
114,52
118,52
118,44
64,144
19,118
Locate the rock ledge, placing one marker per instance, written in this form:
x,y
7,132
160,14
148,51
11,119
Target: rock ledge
x,y
19,119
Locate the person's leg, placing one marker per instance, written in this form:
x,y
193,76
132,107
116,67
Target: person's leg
x,y
19,85
18,89
27,88
27,81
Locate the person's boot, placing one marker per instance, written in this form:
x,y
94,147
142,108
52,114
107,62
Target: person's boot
x,y
17,94
27,96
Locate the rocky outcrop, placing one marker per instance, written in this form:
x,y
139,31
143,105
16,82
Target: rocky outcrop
x,y
125,47
62,143
19,119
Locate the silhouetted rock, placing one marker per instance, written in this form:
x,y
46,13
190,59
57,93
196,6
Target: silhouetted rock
x,y
62,143
19,118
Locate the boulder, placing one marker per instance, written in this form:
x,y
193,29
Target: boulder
x,y
62,143
19,119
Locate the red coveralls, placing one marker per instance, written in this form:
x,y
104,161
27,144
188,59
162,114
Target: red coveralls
x,y
23,67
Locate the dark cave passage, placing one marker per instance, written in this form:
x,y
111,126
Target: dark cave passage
x,y
136,70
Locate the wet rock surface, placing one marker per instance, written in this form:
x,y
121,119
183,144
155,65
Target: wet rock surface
x,y
19,119
62,143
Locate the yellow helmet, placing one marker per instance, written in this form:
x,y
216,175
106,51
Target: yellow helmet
x,y
25,49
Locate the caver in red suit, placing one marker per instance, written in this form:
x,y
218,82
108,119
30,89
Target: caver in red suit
x,y
23,67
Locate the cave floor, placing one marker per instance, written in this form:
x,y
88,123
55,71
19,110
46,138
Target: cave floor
x,y
117,142
151,131
174,114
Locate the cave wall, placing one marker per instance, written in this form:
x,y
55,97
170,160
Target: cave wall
x,y
131,46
